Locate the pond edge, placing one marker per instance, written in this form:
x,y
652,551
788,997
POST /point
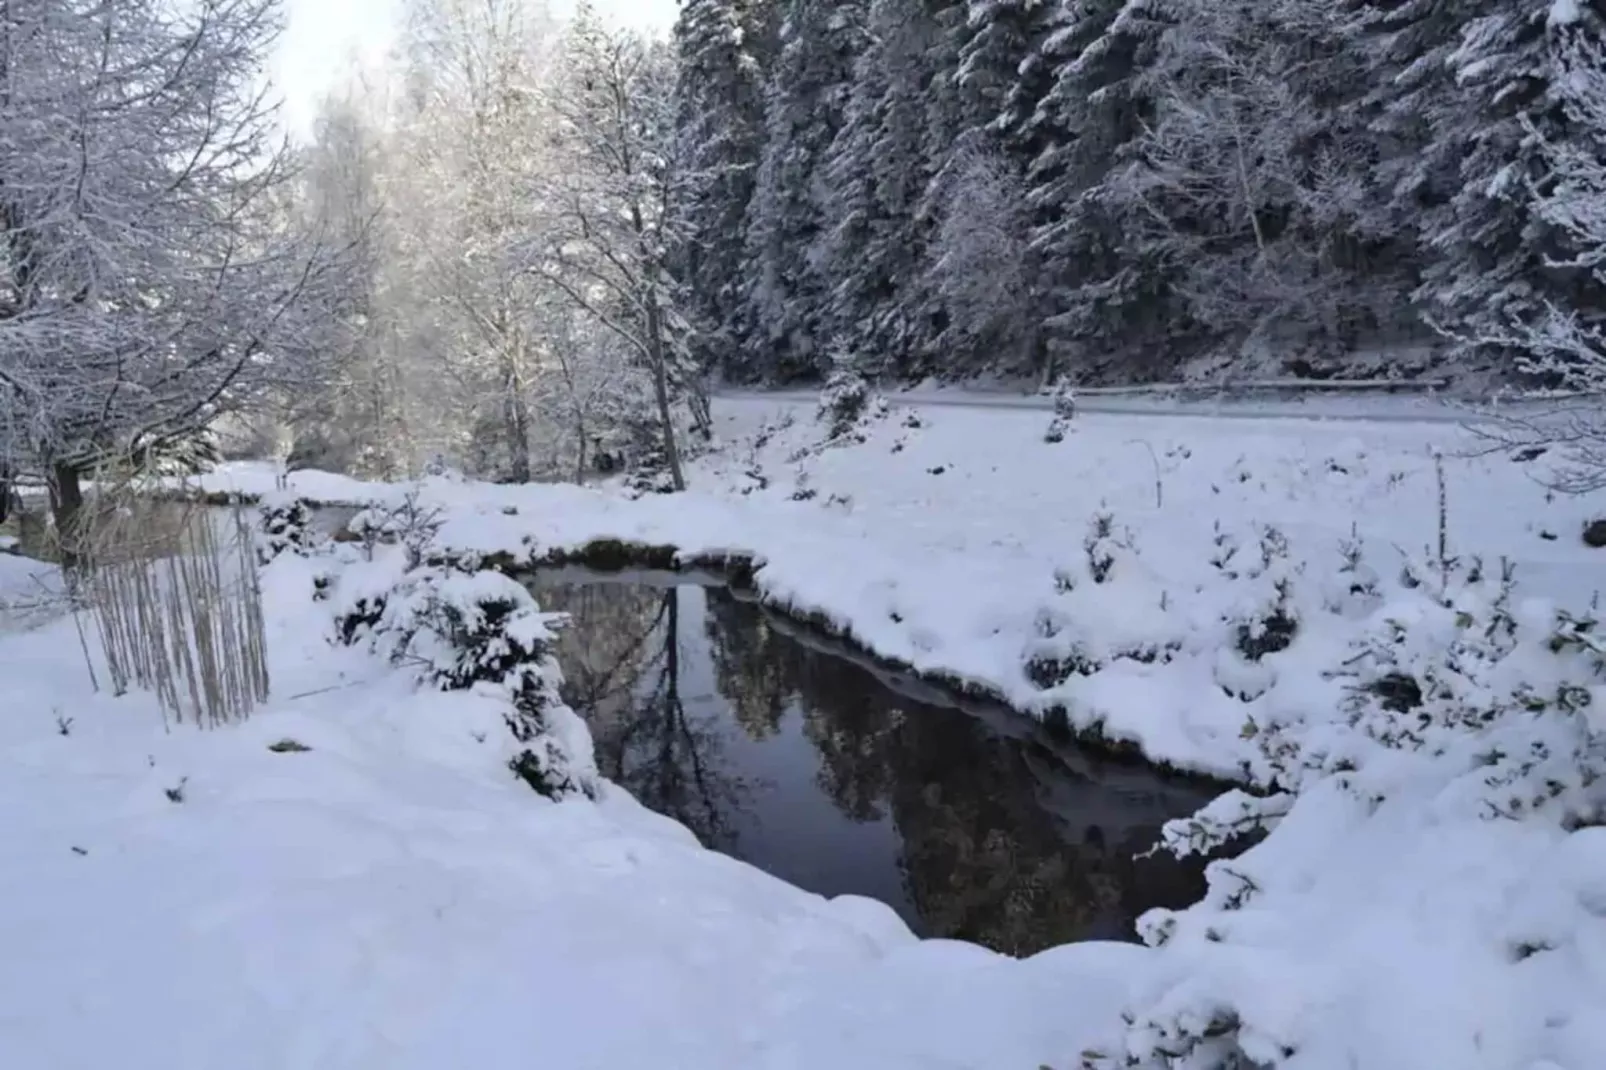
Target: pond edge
x,y
737,570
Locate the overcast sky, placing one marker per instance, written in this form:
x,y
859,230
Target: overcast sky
x,y
323,34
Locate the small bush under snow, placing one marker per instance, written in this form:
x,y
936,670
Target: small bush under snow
x,y
283,523
478,630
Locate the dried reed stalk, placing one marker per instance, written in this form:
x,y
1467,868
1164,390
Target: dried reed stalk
x,y
177,604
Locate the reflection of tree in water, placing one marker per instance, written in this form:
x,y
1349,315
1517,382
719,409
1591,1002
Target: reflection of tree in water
x,y
760,671
754,667
987,862
848,717
623,665
983,859
603,650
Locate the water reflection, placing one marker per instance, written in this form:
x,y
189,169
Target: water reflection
x,y
810,766
623,666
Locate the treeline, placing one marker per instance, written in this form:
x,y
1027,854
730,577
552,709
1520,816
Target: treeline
x,y
1109,188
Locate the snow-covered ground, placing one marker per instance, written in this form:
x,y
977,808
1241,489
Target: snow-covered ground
x,y
1411,910
392,898
1210,591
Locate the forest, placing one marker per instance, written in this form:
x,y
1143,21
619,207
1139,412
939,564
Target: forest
x,y
1116,190
529,248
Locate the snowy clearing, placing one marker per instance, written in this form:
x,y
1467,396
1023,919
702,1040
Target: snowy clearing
x,y
1432,893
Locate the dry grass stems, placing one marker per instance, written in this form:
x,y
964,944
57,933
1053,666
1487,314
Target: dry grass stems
x,y
173,592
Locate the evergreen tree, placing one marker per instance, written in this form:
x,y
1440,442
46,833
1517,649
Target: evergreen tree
x,y
1457,87
878,170
1109,187
720,48
804,107
1105,295
1005,68
981,285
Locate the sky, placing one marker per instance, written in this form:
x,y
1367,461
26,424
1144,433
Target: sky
x,y
323,35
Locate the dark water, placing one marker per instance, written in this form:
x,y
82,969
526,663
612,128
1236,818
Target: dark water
x,y
779,751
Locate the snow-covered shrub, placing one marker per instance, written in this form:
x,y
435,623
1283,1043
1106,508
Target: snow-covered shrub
x,y
1458,704
651,477
358,591
439,466
1448,680
478,630
1053,660
846,399
1261,619
284,523
1106,607
1267,622
1064,412
410,524
1105,545
1502,698
1226,818
1354,591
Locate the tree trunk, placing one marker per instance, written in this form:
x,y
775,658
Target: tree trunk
x,y
580,457
67,507
660,389
701,414
515,421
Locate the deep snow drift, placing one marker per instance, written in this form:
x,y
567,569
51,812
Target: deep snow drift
x,y
1274,601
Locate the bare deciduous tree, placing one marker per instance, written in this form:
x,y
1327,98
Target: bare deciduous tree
x,y
610,204
150,278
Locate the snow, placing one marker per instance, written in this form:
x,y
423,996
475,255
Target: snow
x,y
30,592
1563,13
976,497
1132,579
392,898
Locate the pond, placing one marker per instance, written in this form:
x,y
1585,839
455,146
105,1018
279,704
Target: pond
x,y
796,757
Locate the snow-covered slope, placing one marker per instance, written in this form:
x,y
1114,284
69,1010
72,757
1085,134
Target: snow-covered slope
x,y
1436,896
